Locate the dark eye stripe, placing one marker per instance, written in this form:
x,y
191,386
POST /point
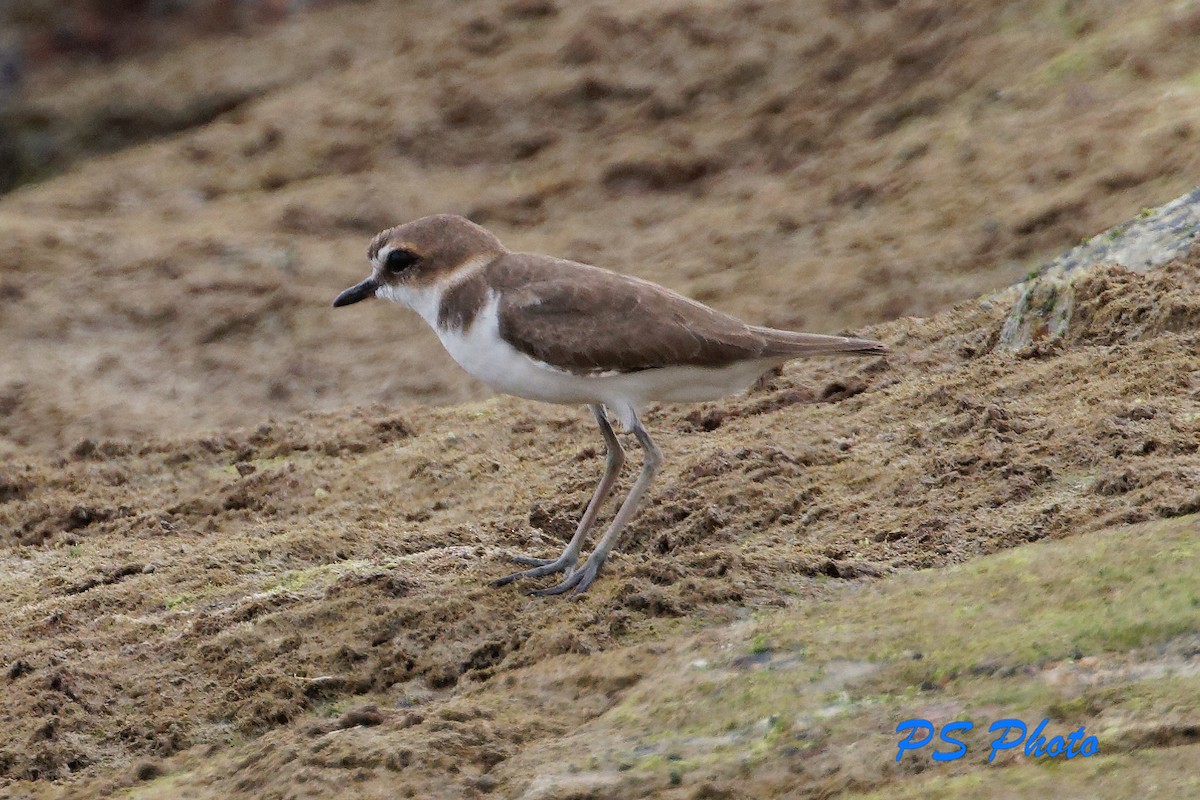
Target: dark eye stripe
x,y
400,260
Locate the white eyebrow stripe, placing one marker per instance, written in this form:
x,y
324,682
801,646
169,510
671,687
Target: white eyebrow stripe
x,y
381,255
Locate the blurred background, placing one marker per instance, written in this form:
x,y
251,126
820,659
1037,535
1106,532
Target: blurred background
x,y
188,184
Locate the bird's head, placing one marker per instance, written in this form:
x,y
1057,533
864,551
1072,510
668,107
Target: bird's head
x,y
421,254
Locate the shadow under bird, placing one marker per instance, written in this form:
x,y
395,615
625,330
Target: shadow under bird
x,y
548,329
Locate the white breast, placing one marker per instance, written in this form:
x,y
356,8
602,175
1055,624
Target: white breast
x,y
481,351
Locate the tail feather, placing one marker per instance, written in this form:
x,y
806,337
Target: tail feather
x,y
791,343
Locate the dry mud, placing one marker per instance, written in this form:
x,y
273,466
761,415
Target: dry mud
x,y
246,547
169,594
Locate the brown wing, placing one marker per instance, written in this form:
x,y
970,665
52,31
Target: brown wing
x,y
589,320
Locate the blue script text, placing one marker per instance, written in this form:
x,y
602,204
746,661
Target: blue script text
x,y
921,731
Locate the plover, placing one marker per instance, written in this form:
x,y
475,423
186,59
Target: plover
x,y
547,329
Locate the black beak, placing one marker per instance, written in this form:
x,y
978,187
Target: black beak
x,y
355,293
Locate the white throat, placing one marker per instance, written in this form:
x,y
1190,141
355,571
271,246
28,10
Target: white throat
x,y
427,300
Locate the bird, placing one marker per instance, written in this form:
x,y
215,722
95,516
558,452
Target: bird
x,y
553,330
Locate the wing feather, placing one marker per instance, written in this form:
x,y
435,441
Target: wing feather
x,y
587,320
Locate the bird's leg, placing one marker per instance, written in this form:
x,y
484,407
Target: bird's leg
x,y
566,561
580,579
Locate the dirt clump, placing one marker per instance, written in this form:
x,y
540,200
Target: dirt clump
x,y
1113,306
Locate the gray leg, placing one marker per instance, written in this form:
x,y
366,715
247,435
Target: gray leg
x,y
566,561
583,577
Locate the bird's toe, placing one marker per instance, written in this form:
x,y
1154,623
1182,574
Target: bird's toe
x,y
540,567
530,561
578,581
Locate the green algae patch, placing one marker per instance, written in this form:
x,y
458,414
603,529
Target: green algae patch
x,y
1091,632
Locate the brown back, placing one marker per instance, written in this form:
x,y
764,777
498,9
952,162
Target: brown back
x,y
589,320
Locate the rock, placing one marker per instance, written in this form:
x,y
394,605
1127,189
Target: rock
x,y
1045,303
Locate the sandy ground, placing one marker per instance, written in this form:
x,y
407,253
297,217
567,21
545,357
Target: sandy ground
x,y
170,595
247,540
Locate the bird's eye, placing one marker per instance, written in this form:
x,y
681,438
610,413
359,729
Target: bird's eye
x,y
399,260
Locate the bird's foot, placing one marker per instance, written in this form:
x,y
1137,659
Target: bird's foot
x,y
579,580
541,566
